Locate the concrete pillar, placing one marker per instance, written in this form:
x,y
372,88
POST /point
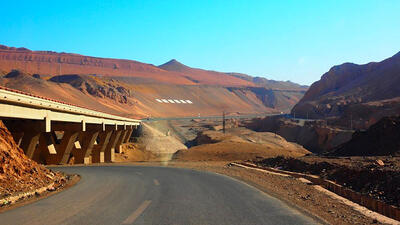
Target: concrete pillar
x,y
120,141
98,150
110,149
86,140
63,149
29,143
45,148
128,136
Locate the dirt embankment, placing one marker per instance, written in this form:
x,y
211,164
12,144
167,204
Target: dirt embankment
x,y
313,135
20,174
378,178
238,144
131,152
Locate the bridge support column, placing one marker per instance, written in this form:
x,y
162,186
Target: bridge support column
x,y
86,140
120,141
29,143
63,149
46,147
110,149
128,136
98,150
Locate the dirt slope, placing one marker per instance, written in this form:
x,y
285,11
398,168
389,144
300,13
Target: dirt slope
x,y
17,172
154,141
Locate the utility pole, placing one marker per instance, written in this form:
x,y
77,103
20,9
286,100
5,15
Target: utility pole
x,y
223,121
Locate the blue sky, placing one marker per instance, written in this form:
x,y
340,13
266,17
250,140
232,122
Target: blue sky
x,y
283,40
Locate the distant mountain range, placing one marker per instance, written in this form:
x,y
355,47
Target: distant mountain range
x,y
172,72
355,95
131,88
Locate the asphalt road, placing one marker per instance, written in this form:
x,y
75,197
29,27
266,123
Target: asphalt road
x,y
154,195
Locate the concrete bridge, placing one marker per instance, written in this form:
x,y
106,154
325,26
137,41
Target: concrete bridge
x,y
54,132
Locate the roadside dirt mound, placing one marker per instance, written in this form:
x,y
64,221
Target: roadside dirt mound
x,y
132,153
382,138
374,180
17,172
238,144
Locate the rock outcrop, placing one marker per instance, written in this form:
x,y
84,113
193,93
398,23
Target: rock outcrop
x,y
315,136
96,87
364,92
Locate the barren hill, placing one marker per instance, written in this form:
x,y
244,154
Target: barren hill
x,y
367,92
135,89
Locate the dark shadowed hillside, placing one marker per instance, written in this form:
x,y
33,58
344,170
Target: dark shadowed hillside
x,y
363,93
382,138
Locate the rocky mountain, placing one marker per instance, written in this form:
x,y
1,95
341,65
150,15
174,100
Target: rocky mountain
x,y
361,93
136,89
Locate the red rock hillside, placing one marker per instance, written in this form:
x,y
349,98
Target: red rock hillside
x,y
362,93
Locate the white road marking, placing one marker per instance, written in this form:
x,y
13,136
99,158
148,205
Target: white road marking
x,y
177,101
158,100
170,100
131,218
156,182
188,101
183,101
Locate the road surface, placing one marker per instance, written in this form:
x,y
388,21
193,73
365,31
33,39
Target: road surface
x,y
154,195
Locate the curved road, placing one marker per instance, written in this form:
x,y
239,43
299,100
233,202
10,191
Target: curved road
x,y
154,195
